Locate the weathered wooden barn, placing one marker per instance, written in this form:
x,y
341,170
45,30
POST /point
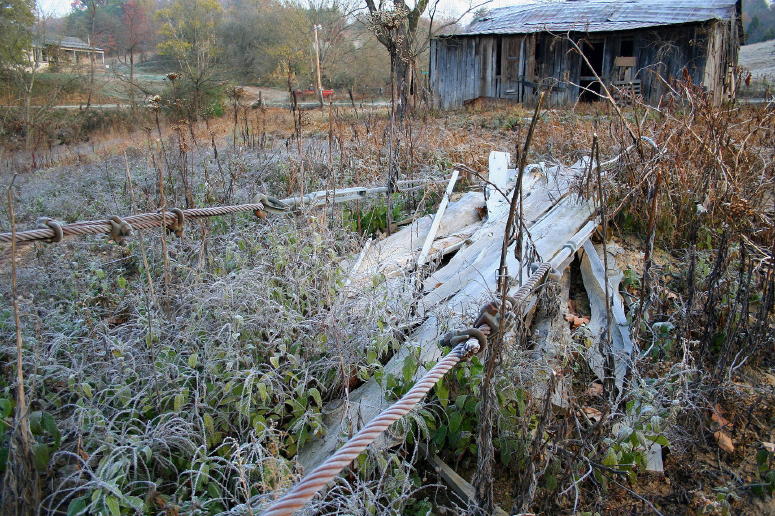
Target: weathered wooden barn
x,y
513,52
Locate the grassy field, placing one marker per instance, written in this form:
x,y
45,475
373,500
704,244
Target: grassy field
x,y
759,58
181,376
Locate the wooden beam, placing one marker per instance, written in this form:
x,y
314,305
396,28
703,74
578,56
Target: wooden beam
x,y
357,265
437,219
352,194
499,179
458,484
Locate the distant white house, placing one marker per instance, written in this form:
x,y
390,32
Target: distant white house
x,y
65,51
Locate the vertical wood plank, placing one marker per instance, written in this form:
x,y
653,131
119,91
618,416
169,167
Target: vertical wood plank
x,y
426,247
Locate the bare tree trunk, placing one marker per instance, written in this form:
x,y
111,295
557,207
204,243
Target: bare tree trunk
x,y
28,114
317,67
389,199
92,64
402,76
132,78
396,30
91,80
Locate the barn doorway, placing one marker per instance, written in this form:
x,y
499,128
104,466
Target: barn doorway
x,y
590,87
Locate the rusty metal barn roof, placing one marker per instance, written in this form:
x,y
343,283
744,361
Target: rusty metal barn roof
x,y
66,42
596,16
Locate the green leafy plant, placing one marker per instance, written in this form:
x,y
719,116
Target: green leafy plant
x,y
630,280
634,437
764,467
6,420
663,339
456,418
47,438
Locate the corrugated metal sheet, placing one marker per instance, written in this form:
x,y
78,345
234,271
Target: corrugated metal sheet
x,y
597,16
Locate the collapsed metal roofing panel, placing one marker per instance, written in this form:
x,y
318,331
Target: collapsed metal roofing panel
x,y
597,16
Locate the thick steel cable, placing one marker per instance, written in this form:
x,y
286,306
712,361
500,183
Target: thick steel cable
x,y
303,492
532,282
298,497
155,220
140,221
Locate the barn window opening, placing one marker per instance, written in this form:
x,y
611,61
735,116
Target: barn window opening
x,y
627,47
539,55
593,65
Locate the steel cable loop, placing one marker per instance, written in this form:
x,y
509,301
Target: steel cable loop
x,y
178,227
119,230
298,497
55,226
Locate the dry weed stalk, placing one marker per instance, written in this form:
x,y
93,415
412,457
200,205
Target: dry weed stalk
x,y
513,234
21,484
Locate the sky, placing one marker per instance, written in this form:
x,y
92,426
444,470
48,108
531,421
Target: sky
x,y
55,7
62,7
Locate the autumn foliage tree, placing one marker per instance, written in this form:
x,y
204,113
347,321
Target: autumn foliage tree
x,y
189,32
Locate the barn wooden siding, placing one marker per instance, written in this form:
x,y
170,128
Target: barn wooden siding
x,y
466,67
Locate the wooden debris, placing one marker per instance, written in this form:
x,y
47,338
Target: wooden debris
x,y
320,198
498,178
394,254
357,263
426,247
551,339
458,484
594,277
455,293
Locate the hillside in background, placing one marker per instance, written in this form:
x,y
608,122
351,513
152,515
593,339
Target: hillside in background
x,y
759,58
758,20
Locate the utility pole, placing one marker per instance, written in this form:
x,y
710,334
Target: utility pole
x,y
317,62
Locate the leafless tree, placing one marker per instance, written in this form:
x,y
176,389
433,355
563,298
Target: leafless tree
x,y
396,26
